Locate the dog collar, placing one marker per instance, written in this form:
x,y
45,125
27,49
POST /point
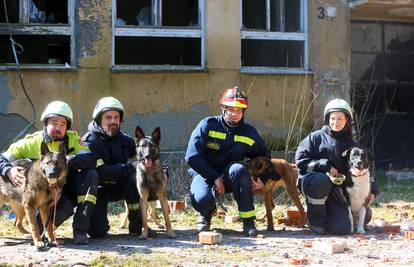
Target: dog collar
x,y
360,173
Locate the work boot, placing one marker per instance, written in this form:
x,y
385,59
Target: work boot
x,y
203,223
317,218
80,237
249,227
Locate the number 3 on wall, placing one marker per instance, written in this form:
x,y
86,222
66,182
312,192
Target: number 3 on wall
x,y
321,14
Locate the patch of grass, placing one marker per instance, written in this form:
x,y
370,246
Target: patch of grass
x,y
392,189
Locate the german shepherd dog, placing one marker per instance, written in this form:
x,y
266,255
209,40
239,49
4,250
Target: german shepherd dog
x,y
361,188
265,169
150,177
44,181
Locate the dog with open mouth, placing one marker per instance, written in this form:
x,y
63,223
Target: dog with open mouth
x,y
43,187
150,177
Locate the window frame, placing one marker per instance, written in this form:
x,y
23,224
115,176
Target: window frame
x,y
267,34
160,31
23,27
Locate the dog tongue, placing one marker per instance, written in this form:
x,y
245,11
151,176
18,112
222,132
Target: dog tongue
x,y
148,163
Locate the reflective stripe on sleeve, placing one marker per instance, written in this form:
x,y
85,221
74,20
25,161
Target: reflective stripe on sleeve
x,y
217,135
244,139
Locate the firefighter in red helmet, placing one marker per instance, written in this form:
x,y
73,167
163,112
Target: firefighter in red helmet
x,y
215,148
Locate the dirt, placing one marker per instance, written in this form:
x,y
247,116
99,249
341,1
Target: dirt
x,y
284,246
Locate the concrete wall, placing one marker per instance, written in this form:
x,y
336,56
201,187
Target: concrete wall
x,y
176,101
330,52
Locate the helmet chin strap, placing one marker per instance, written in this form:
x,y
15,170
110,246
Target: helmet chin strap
x,y
230,123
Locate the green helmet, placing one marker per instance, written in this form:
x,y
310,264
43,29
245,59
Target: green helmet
x,y
338,105
57,108
105,104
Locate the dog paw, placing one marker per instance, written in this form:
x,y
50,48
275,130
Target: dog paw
x,y
361,231
142,237
39,244
171,235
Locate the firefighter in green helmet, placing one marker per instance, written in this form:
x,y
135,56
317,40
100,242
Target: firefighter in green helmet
x,y
115,152
80,190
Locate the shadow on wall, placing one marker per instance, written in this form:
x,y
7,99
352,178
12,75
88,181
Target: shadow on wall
x,y
12,124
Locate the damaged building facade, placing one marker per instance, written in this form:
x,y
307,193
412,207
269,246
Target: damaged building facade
x,y
168,61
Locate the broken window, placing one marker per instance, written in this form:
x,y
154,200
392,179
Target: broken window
x,y
274,35
43,28
158,34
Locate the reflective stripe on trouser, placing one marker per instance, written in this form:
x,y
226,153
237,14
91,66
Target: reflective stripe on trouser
x,y
316,187
135,218
87,191
238,180
247,214
133,206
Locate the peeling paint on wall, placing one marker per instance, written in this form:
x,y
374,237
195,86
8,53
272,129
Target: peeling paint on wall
x,y
176,127
12,126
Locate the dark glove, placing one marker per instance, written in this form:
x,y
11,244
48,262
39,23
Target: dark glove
x,y
129,168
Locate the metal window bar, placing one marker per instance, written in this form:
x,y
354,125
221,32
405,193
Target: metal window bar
x,y
279,35
282,15
24,27
159,31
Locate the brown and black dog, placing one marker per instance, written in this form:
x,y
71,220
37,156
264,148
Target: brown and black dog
x,y
264,168
43,187
150,177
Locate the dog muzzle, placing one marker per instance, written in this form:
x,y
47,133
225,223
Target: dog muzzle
x,y
52,182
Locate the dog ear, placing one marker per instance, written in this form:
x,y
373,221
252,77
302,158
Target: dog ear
x,y
346,152
156,135
62,148
44,149
139,134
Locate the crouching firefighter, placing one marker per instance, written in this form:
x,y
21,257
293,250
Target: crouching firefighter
x,y
79,192
112,148
214,148
324,171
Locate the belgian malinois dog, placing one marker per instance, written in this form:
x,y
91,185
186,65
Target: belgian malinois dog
x,y
265,168
43,186
150,177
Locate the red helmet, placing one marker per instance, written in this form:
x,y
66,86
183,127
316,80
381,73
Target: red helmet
x,y
234,97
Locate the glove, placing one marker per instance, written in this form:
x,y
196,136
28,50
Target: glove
x,y
129,168
338,180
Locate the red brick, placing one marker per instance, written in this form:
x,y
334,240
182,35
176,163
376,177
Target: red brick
x,y
330,248
176,205
210,238
294,214
392,229
409,235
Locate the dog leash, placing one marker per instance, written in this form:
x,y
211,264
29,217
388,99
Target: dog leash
x,y
54,219
45,240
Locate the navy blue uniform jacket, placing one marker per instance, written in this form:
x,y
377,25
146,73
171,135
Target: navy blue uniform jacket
x,y
321,150
213,145
111,153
